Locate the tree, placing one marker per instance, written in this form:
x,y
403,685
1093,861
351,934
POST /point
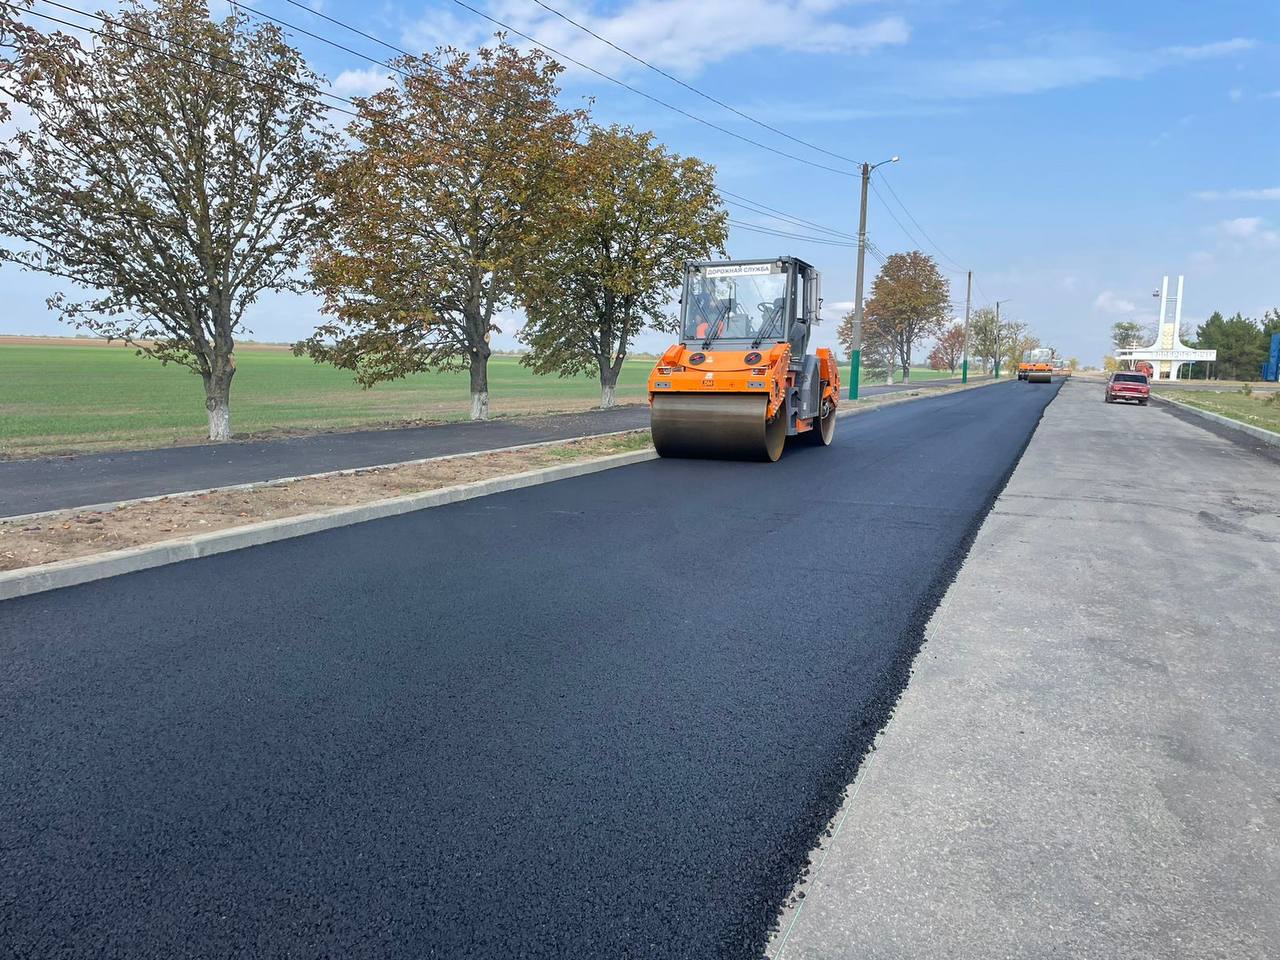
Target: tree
x,y
879,358
1128,335
948,352
984,337
638,213
1271,324
1110,364
1017,342
453,182
12,32
1240,343
170,170
1074,363
909,300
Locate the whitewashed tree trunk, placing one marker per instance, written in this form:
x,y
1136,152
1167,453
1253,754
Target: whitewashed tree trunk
x,y
480,383
219,408
607,399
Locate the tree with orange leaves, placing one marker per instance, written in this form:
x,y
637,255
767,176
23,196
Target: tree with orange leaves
x,y
450,188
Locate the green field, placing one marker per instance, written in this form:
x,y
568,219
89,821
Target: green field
x,y
60,398
56,398
1257,411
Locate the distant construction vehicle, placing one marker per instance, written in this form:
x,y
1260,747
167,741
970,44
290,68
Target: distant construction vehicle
x,y
740,381
1038,366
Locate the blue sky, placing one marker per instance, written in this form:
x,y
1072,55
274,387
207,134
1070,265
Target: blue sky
x,y
1069,154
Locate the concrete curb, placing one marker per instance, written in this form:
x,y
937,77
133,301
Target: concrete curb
x,y
65,573
1258,433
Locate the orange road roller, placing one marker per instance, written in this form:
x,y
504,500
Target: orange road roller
x,y
740,381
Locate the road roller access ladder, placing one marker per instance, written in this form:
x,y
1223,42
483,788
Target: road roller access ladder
x,y
741,381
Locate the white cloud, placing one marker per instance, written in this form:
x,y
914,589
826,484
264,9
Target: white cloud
x,y
1265,193
1247,231
1109,302
1273,95
1066,62
1204,51
1235,94
675,35
360,83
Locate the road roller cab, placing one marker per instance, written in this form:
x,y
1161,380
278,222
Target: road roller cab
x,y
741,381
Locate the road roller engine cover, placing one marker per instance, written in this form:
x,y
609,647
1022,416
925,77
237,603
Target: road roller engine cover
x,y
741,380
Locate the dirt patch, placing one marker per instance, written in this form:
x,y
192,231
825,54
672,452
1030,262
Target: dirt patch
x,y
77,533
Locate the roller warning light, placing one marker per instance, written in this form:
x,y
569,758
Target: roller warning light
x,y
740,381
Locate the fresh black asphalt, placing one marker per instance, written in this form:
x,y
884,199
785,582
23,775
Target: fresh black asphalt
x,y
601,718
56,483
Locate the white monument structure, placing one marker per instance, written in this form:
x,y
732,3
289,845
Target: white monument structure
x,y
1168,353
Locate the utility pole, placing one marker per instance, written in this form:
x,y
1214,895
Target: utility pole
x,y
964,362
855,354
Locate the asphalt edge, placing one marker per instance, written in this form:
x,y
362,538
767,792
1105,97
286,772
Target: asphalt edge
x,y
26,581
857,764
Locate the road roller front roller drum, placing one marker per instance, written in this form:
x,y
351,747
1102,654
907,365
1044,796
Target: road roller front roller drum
x,y
717,426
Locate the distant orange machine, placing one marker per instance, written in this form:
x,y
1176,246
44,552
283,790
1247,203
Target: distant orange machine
x,y
1036,372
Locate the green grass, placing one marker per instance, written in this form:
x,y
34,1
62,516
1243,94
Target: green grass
x,y
917,374
1257,411
56,398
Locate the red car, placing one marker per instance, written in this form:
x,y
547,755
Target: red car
x,y
1126,385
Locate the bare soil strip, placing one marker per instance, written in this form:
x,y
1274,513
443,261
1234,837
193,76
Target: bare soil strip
x,y
69,534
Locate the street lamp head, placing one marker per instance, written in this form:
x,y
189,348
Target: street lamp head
x,y
893,159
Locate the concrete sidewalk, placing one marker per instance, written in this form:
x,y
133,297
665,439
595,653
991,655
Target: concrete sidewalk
x,y
1086,762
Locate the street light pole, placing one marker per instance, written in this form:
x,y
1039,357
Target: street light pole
x,y
855,354
964,362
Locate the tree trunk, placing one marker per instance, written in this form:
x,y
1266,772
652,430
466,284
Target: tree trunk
x,y
480,384
217,401
608,385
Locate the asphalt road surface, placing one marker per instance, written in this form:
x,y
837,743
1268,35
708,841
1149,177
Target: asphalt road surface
x,y
606,717
56,483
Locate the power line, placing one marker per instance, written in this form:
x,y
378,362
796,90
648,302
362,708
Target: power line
x,y
756,207
888,209
687,86
650,97
346,26
310,94
942,253
760,228
390,46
